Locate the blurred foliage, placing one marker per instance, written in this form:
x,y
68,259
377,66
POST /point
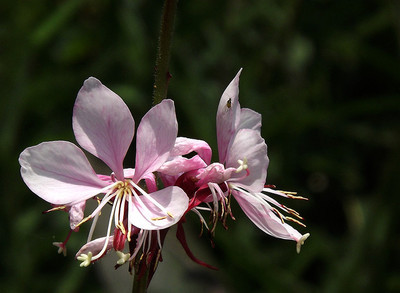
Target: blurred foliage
x,y
323,73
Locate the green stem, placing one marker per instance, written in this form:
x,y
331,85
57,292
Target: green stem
x,y
140,284
162,74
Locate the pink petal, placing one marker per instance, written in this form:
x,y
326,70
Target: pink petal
x,y
228,115
95,246
59,172
76,214
261,215
103,124
248,144
249,119
184,146
150,217
180,165
156,137
215,173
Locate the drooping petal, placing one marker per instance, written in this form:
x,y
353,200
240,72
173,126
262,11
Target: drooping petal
x,y
59,172
103,124
249,145
76,214
184,146
214,173
95,246
228,115
148,216
249,119
156,137
180,165
263,217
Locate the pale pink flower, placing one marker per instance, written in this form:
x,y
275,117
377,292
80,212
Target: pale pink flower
x,y
241,172
241,146
60,173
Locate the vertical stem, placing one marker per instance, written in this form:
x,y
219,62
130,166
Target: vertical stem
x,y
140,284
162,75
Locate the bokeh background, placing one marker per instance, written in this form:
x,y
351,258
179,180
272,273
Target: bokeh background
x,y
324,74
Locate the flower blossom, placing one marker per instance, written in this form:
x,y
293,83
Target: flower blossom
x,y
241,172
60,173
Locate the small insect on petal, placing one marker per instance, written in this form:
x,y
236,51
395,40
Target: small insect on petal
x,y
229,103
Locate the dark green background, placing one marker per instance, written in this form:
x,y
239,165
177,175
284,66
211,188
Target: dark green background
x,y
323,73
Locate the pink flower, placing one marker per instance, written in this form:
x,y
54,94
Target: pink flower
x,y
241,146
60,173
241,172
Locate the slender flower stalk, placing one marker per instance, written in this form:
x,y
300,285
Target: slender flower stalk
x,y
162,74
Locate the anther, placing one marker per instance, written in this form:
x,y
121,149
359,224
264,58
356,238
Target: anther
x,y
294,220
83,221
58,208
121,227
158,218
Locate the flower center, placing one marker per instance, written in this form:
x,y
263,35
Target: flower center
x,y
120,193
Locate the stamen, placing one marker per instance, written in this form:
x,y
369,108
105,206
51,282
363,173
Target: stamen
x,y
159,239
107,237
152,200
83,221
158,218
58,208
141,238
203,209
96,213
294,220
281,206
105,200
148,242
127,193
121,227
92,227
292,194
195,210
278,214
129,232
